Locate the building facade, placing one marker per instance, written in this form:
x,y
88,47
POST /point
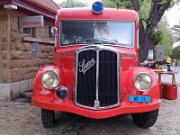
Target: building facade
x,y
25,43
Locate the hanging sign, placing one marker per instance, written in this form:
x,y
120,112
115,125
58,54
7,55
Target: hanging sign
x,y
31,21
150,54
160,53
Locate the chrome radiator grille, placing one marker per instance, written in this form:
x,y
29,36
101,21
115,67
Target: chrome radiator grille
x,y
97,77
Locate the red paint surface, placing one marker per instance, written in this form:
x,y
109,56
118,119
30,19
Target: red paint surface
x,y
64,65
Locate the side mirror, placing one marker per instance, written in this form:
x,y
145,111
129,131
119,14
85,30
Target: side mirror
x,y
53,31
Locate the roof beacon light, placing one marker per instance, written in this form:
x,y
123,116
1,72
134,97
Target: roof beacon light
x,y
97,7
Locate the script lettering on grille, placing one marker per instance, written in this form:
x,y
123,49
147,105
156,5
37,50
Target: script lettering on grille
x,y
85,66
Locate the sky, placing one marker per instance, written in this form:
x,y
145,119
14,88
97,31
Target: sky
x,y
173,18
89,2
173,15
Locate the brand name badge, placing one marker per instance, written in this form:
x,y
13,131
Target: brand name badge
x,y
85,66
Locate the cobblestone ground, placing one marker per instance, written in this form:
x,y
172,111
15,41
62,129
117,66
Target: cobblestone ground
x,y
17,118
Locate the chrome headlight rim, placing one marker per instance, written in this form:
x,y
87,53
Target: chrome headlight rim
x,y
58,79
143,90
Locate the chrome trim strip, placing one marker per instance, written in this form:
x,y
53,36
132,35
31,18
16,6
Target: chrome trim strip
x,y
97,81
118,76
75,78
97,48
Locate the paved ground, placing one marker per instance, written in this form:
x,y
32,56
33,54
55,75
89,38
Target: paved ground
x,y
24,119
17,118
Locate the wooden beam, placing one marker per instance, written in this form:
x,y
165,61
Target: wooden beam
x,y
32,8
39,40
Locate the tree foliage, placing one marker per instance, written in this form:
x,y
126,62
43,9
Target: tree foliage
x,y
175,53
158,36
167,39
176,32
72,3
150,12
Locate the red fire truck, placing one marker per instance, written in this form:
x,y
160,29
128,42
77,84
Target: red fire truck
x,y
95,72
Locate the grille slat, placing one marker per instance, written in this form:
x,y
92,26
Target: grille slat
x,y
108,94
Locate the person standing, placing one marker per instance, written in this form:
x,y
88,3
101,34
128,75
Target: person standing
x,y
168,61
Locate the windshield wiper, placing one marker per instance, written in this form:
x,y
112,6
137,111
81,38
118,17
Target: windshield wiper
x,y
99,41
74,43
111,42
105,41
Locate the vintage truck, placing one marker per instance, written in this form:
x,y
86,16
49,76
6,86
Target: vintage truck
x,y
95,72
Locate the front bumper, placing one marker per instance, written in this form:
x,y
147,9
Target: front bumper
x,y
68,106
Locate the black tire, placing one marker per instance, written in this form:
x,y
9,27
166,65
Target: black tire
x,y
48,118
145,120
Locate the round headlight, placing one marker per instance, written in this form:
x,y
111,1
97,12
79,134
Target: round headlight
x,y
50,79
143,82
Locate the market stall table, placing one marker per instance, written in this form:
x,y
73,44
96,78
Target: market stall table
x,y
160,72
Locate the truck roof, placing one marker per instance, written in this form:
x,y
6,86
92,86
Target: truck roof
x,y
87,14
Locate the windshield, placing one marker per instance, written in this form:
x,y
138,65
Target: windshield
x,y
96,32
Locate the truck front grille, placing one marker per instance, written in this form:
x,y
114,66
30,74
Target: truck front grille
x,y
97,77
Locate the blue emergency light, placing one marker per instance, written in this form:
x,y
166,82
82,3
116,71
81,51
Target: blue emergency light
x,y
97,7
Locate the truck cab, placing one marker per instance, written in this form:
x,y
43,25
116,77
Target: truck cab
x,y
95,71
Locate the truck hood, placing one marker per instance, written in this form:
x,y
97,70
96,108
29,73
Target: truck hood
x,y
65,56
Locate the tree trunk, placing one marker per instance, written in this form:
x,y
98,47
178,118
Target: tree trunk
x,y
147,41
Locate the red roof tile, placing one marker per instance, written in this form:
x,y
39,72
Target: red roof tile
x,y
47,4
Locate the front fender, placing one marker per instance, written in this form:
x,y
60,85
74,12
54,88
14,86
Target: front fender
x,y
153,92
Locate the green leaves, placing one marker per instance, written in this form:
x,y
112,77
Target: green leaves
x,y
176,33
158,36
72,3
144,9
167,39
117,3
175,53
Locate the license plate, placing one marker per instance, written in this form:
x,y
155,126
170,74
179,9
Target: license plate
x,y
140,99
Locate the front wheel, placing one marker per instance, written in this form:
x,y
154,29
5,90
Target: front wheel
x,y
48,118
145,120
